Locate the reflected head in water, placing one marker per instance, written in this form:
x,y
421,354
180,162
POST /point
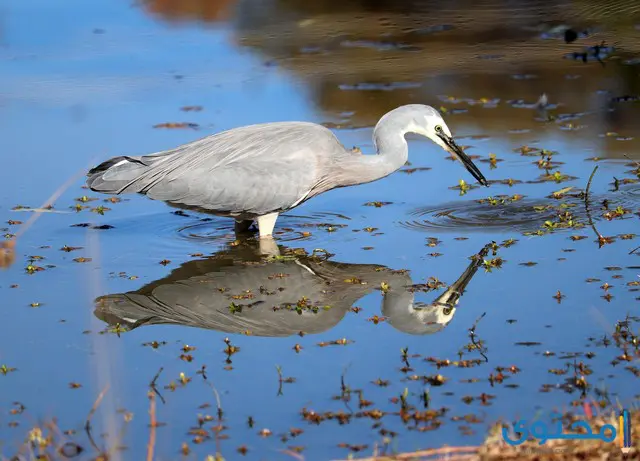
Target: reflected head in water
x,y
239,291
422,318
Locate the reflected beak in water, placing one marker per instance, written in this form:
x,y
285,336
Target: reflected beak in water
x,y
458,153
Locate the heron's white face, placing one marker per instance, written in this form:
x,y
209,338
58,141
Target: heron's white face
x,y
435,128
434,125
429,127
438,313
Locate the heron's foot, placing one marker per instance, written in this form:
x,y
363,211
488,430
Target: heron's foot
x,y
268,246
244,226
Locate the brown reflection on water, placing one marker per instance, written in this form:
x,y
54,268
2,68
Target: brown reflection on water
x,y
469,49
185,10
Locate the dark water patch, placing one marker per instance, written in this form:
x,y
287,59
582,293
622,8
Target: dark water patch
x,y
567,33
595,53
626,98
429,30
93,226
524,76
379,45
522,104
485,102
380,86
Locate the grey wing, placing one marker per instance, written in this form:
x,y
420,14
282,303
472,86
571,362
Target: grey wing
x,y
255,170
204,301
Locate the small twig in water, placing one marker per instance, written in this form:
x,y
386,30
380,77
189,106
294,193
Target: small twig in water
x,y
634,161
279,370
472,336
87,424
345,389
475,324
586,192
220,412
217,396
602,240
153,387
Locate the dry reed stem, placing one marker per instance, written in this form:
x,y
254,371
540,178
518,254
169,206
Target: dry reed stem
x,y
104,360
7,248
601,239
293,454
601,320
586,193
634,161
32,219
459,454
153,423
95,406
87,423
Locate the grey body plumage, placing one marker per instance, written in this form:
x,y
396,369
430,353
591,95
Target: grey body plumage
x,y
259,171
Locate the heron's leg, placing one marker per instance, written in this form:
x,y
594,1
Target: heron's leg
x,y
242,226
269,247
266,224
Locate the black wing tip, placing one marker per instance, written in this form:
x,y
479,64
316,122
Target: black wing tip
x,y
104,166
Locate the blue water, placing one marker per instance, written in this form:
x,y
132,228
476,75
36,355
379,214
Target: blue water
x,y
83,82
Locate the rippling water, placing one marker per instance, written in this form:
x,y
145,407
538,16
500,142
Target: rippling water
x,y
524,215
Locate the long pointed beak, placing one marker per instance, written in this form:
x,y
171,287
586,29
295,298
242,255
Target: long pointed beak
x,y
463,158
452,295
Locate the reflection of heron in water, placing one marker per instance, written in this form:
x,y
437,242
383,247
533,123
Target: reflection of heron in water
x,y
237,291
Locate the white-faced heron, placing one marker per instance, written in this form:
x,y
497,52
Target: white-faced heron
x,y
256,172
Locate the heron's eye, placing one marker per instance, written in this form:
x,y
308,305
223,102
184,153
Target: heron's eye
x,y
447,310
439,129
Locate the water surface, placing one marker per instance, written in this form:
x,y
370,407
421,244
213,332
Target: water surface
x,y
81,83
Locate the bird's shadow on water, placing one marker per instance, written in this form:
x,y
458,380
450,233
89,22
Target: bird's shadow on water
x,y
239,290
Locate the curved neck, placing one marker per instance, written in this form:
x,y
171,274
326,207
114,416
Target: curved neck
x,y
391,147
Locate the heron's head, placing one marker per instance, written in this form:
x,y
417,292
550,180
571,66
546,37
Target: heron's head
x,y
428,122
